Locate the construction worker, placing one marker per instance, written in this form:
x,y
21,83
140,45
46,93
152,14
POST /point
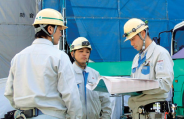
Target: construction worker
x,y
96,105
41,82
152,62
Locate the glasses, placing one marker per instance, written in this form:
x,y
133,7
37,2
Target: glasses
x,y
135,29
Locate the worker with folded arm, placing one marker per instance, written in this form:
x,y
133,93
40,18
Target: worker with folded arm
x,y
96,105
152,62
41,82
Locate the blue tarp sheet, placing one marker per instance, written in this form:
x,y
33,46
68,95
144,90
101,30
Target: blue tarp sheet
x,y
102,21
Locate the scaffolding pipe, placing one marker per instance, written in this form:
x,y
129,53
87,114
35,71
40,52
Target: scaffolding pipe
x,y
64,21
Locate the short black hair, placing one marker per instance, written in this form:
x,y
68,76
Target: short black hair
x,y
41,33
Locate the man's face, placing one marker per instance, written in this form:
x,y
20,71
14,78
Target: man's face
x,y
136,42
82,55
57,34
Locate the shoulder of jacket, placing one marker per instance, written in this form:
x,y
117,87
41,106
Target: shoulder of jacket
x,y
93,70
59,53
159,50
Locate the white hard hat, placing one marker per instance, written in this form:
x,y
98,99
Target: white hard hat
x,y
49,16
132,27
79,43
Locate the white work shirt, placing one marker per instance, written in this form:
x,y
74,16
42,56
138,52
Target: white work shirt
x,y
95,103
157,65
42,76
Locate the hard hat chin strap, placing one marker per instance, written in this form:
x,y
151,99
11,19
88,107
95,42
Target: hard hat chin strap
x,y
144,41
42,27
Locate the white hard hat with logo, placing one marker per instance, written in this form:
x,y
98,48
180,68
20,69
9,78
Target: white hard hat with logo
x,y
132,27
49,16
79,43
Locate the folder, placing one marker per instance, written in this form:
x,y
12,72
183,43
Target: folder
x,y
122,85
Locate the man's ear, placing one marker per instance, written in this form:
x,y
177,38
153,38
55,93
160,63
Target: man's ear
x,y
143,33
72,53
50,29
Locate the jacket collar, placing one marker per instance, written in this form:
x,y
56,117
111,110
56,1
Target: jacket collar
x,y
42,41
150,49
77,69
